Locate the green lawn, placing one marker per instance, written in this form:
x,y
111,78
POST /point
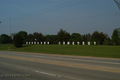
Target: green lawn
x,y
97,51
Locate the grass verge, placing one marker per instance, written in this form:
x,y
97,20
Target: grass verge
x,y
95,51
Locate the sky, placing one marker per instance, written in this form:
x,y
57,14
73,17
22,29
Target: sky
x,y
49,16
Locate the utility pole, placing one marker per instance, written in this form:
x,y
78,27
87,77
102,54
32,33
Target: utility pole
x,y
10,26
10,33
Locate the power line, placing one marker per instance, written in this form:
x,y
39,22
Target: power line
x,y
73,18
55,7
61,6
28,14
39,11
47,10
118,3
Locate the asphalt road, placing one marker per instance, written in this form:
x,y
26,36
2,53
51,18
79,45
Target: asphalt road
x,y
34,66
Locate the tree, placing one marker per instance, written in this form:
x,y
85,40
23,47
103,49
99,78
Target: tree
x,y
35,37
51,38
108,42
98,37
115,37
18,41
38,36
29,38
95,36
86,37
118,29
62,35
4,39
102,37
75,37
23,34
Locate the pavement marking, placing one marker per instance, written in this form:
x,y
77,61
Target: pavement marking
x,y
80,60
84,66
69,58
40,72
116,63
54,75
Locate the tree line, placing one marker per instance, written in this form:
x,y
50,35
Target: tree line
x,y
99,37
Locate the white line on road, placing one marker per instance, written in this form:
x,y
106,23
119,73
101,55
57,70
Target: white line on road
x,y
44,73
40,72
49,74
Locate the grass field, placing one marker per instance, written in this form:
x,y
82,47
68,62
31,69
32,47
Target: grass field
x,y
80,50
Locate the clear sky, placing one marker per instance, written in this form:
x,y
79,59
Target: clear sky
x,y
49,16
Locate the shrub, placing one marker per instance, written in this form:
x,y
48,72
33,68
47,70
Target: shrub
x,y
106,42
18,41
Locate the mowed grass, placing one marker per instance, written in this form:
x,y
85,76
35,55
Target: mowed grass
x,y
80,50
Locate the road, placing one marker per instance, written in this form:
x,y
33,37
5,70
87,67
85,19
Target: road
x,y
34,66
